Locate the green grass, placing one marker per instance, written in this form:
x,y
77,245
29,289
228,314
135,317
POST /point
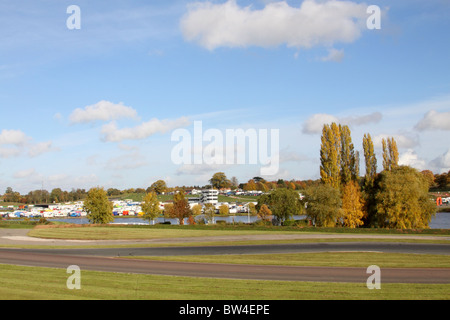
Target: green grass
x,y
124,233
32,283
325,259
116,232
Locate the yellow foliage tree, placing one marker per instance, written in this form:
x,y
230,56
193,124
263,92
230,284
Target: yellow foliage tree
x,y
265,213
352,205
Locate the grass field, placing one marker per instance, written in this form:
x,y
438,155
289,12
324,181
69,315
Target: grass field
x,y
25,283
325,259
28,283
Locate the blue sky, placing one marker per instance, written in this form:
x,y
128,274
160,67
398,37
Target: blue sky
x,y
96,106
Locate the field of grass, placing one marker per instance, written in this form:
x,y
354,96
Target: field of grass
x,y
141,233
116,232
325,259
26,283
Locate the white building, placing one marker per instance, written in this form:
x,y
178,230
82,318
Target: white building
x,y
210,196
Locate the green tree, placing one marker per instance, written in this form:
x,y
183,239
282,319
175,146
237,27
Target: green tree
x,y
219,180
98,207
283,202
150,207
323,205
402,200
158,187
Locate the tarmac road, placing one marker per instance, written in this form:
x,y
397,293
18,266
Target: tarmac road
x,y
106,259
232,271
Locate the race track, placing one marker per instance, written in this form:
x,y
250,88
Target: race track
x,y
115,259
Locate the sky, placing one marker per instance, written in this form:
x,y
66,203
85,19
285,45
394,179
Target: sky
x,y
107,93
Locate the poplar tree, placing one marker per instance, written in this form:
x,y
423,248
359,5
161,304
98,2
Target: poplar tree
x,y
349,157
352,205
390,153
330,156
370,161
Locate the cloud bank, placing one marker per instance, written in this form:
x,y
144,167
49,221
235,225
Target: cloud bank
x,y
102,111
314,23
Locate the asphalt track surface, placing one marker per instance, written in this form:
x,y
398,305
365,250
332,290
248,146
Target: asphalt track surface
x,y
115,260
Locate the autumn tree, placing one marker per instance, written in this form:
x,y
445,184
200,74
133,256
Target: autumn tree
x,y
158,187
352,205
224,209
349,169
330,155
265,213
168,210
98,207
370,161
390,153
219,180
197,209
250,185
323,205
150,207
402,200
181,208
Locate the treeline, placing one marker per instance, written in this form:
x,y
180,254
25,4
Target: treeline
x,y
397,197
43,196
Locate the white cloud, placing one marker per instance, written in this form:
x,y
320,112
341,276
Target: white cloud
x,y
14,137
402,141
314,124
334,55
441,163
103,111
113,134
15,142
40,148
410,158
25,173
314,23
434,120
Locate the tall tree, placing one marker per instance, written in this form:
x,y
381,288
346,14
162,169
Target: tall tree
x,y
150,207
349,157
98,207
370,161
390,153
330,155
352,205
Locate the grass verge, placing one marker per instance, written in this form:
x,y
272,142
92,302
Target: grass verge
x,y
324,259
30,283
